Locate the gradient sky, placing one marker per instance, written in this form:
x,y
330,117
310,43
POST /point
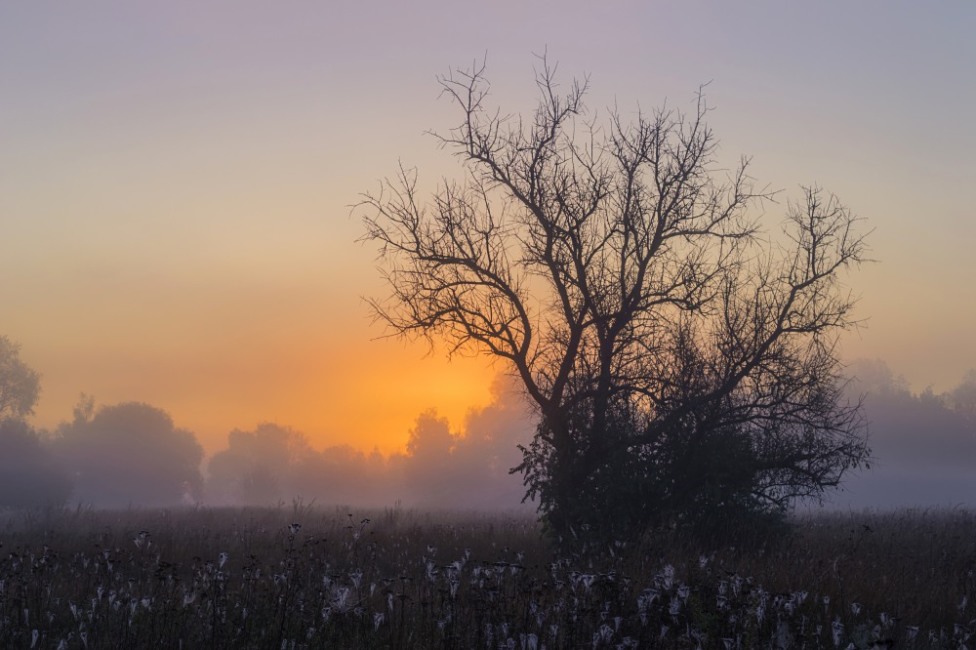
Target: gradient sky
x,y
175,180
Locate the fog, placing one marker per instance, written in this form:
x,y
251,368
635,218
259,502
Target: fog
x,y
923,445
133,454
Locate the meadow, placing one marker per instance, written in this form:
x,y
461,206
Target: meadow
x,y
305,577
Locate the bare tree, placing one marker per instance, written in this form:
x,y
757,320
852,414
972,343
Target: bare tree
x,y
681,361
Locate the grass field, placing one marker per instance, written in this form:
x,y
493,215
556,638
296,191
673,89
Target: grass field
x,y
303,577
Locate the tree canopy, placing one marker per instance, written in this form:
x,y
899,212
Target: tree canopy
x,y
29,473
20,385
130,454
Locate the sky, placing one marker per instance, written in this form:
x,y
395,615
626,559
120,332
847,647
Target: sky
x,y
176,181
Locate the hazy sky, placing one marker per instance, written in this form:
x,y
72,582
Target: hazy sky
x,y
175,180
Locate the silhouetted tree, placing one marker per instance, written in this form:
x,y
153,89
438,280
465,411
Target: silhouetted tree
x,y
429,474
470,468
130,454
259,466
962,398
488,449
19,384
874,376
342,475
29,473
275,463
682,363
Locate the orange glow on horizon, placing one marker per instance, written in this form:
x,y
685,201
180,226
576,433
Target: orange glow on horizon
x,y
337,390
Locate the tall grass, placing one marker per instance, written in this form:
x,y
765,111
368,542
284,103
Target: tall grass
x,y
304,577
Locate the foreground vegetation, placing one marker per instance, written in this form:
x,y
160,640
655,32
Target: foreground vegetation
x,y
301,577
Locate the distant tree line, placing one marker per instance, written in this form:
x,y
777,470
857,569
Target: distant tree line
x,y
133,453
440,468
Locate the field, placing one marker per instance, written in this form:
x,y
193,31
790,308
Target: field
x,y
303,577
